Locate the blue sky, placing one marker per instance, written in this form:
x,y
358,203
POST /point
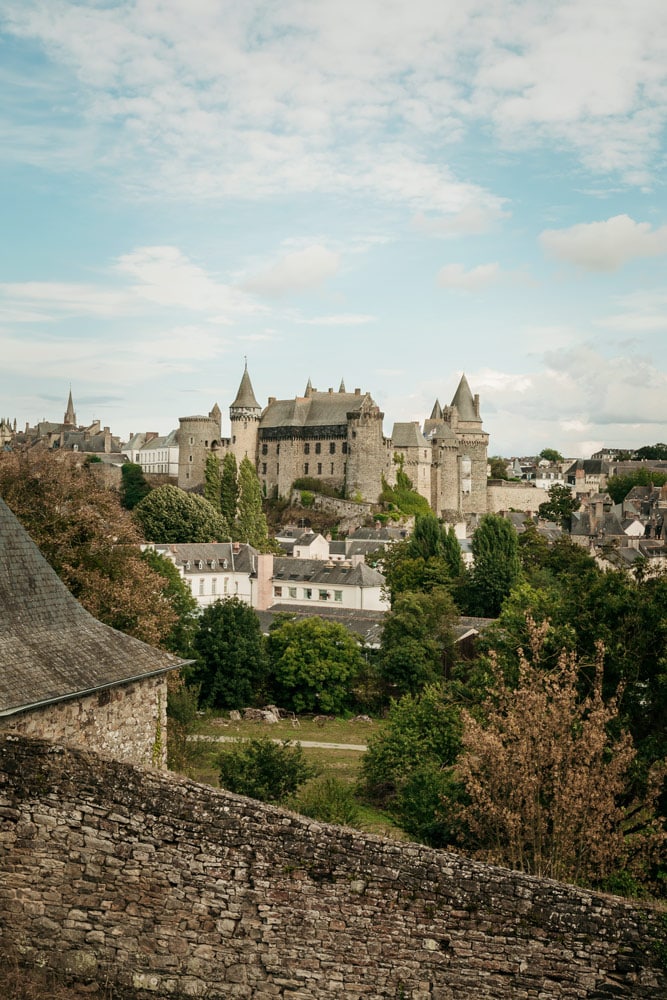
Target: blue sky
x,y
387,192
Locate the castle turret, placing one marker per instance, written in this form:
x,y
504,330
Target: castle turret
x,y
198,437
369,453
244,414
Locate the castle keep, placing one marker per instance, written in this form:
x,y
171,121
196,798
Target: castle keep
x,y
338,437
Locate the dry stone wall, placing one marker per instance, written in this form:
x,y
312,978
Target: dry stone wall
x,y
181,890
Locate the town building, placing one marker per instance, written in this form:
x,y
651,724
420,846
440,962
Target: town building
x,y
66,436
338,439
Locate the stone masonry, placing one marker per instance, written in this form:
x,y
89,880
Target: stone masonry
x,y
180,890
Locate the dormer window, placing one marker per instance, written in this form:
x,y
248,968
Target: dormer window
x,y
224,564
214,564
200,564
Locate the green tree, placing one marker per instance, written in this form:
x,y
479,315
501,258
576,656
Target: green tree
x,y
229,491
176,591
417,640
264,770
212,480
169,514
133,486
551,455
497,467
313,664
406,767
496,566
91,542
618,487
251,525
653,452
231,663
560,506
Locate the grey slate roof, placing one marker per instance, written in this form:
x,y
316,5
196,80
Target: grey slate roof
x,y
464,402
321,572
318,409
408,435
245,397
243,561
51,648
366,624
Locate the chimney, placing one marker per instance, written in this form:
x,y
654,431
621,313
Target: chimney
x,y
272,399
357,392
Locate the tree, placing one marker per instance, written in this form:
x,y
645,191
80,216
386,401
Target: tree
x,y
430,558
229,491
618,487
212,480
551,455
231,663
175,590
496,566
313,664
405,769
560,506
653,452
497,467
251,525
417,640
545,777
133,487
264,770
89,540
169,514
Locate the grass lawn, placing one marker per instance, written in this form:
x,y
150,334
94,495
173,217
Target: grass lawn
x,y
202,757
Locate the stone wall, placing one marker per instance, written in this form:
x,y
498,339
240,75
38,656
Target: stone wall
x,y
127,722
504,496
181,890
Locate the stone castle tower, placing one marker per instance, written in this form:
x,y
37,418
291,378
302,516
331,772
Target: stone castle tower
x,y
198,437
244,414
459,456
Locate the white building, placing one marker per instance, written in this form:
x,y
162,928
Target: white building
x,y
155,454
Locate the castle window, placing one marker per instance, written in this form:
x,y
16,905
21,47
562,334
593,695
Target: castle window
x,y
318,447
344,447
192,440
305,468
332,468
306,448
264,468
265,449
354,434
332,447
190,459
319,468
277,449
206,444
277,468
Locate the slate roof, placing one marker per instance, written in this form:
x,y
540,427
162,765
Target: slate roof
x,y
464,402
318,409
52,649
320,571
243,561
245,397
408,435
366,624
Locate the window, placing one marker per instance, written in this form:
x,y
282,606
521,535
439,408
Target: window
x,y
292,592
332,468
264,468
214,585
201,587
277,591
277,468
190,458
307,593
319,468
192,440
306,448
318,447
344,447
265,449
332,447
226,584
305,468
324,595
338,596
236,587
277,449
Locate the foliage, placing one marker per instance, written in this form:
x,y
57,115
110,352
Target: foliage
x,y
178,593
618,487
264,770
652,452
329,800
430,558
251,525
230,653
497,467
403,495
229,491
313,664
551,455
89,540
405,768
307,498
417,640
182,701
168,514
313,485
560,506
212,480
133,486
545,778
496,567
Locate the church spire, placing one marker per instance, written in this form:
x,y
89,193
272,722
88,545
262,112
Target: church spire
x,y
342,386
70,415
309,388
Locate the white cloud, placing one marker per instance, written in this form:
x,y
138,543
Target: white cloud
x,y
456,276
343,319
295,272
605,246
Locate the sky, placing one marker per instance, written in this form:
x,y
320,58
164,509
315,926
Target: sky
x,y
387,192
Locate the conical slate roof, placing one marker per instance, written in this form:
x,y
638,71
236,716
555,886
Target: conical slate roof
x,y
70,415
464,402
51,648
245,397
436,412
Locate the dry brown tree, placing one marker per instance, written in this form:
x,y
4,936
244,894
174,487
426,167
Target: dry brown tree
x,y
546,780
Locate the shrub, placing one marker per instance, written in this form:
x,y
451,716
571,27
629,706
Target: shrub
x,y
329,800
264,770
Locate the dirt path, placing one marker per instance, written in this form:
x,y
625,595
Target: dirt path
x,y
360,747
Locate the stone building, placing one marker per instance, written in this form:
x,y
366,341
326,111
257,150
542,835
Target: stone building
x,y
64,676
66,436
338,438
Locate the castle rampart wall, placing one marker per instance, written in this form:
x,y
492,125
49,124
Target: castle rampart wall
x,y
181,890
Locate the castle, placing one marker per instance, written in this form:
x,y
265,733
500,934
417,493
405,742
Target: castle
x,y
338,438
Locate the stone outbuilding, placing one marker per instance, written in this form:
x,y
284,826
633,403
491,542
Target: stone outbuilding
x,y
66,677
